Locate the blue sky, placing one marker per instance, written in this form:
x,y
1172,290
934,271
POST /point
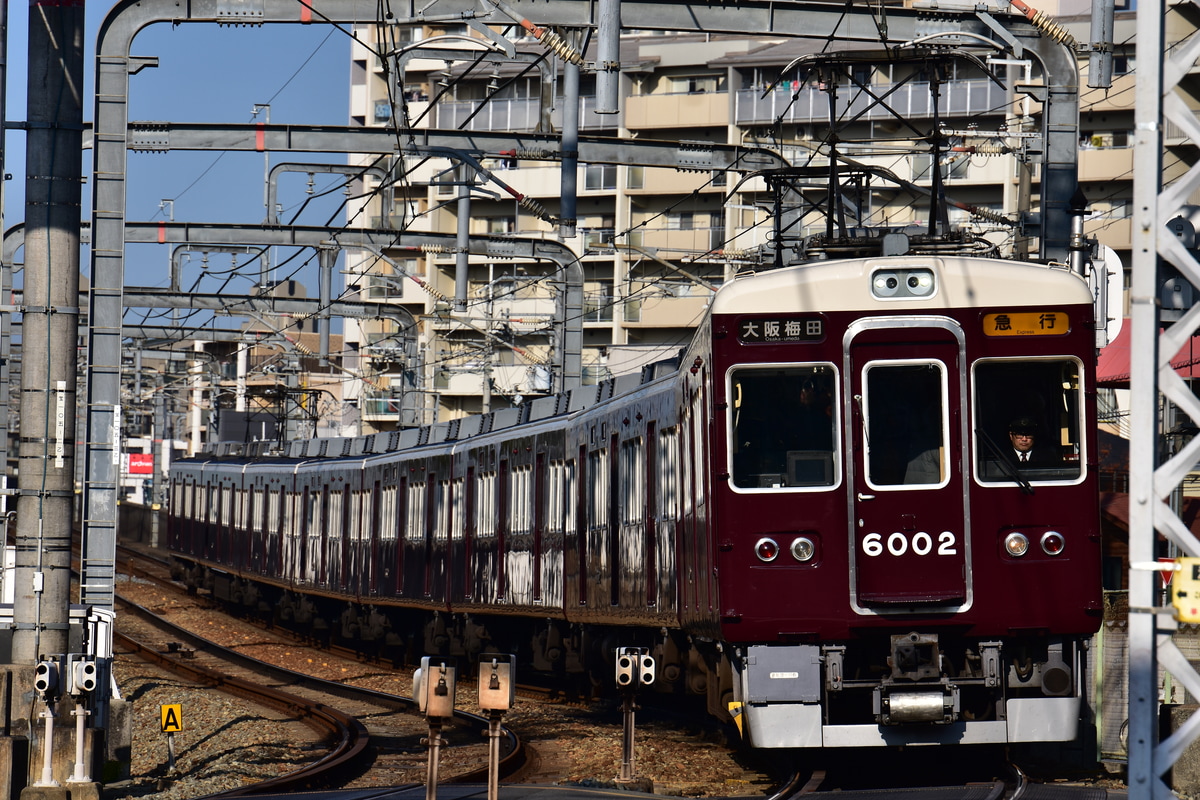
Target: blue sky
x,y
206,73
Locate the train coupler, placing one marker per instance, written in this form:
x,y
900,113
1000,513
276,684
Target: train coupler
x,y
937,704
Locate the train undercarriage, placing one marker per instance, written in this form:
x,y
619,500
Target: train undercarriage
x,y
908,688
581,656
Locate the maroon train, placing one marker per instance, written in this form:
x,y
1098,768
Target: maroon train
x,y
815,517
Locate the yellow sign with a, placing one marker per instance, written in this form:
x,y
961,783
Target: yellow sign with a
x,y
172,718
1027,323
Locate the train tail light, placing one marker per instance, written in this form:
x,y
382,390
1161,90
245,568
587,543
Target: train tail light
x,y
1016,544
1053,543
766,549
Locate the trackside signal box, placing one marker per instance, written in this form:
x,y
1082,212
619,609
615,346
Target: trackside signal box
x,y
433,687
497,689
635,667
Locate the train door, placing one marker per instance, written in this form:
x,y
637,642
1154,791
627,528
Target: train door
x,y
909,522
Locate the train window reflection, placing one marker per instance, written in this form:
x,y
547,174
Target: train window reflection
x,y
1027,420
782,427
905,433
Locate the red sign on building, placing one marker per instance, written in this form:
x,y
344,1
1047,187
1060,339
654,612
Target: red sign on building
x,y
141,463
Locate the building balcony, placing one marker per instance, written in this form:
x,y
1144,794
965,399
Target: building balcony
x,y
518,115
1106,164
666,311
677,110
975,98
378,406
523,379
1116,232
683,240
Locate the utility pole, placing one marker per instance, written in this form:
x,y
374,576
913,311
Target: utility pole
x,y
50,339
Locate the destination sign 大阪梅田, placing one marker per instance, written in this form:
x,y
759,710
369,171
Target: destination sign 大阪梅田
x,y
770,330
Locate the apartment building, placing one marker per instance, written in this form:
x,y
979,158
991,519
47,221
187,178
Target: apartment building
x,y
655,242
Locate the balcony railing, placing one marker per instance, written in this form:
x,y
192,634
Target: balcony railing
x,y
377,406
973,98
517,114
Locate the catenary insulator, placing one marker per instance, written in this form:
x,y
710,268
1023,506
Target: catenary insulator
x,y
535,208
560,47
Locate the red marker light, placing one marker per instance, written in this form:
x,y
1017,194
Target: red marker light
x,y
766,549
1053,543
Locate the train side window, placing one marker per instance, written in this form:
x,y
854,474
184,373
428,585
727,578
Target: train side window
x,y
569,495
905,426
633,487
457,504
1043,398
520,507
557,502
335,514
274,499
598,488
387,532
668,472
415,529
485,506
782,426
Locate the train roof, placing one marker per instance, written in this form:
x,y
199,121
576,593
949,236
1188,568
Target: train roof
x,y
845,285
540,408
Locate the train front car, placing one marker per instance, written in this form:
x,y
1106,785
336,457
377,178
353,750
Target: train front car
x,y
891,569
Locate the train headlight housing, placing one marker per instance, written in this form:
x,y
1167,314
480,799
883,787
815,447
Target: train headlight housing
x,y
803,549
767,549
903,284
1016,544
1053,543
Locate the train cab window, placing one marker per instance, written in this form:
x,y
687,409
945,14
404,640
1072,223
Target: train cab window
x,y
905,430
782,427
1028,424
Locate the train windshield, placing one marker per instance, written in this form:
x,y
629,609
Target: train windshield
x,y
782,426
1028,420
905,431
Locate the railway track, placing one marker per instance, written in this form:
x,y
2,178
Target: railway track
x,y
812,779
332,708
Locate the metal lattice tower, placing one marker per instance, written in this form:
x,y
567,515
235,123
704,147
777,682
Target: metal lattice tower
x,y
1153,380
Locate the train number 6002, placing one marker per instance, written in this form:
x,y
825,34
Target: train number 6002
x,y
921,543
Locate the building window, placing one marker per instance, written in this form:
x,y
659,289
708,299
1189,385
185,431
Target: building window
x,y
695,84
599,177
635,177
501,225
681,221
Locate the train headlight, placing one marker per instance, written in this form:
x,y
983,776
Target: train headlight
x,y
885,284
1053,543
920,282
803,548
1017,544
766,549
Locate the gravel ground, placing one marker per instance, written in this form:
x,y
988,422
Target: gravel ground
x,y
227,743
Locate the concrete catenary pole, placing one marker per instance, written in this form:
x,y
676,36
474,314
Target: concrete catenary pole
x,y
53,192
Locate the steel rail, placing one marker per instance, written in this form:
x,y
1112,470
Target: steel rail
x,y
510,763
